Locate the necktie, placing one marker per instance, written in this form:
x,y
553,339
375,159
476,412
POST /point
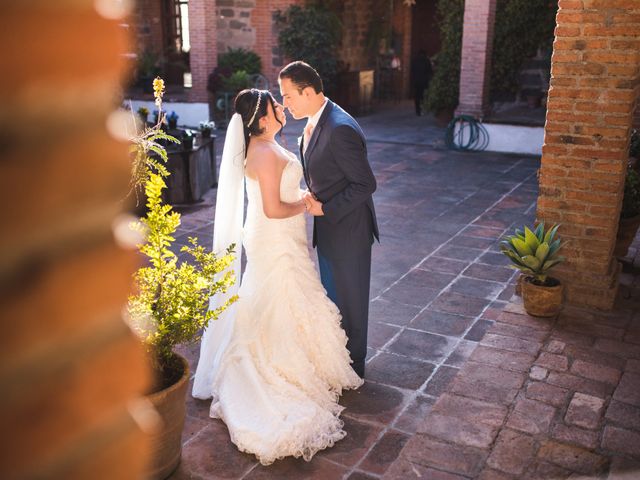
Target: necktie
x,y
308,130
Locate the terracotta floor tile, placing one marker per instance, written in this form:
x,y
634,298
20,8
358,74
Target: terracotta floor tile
x,y
374,402
361,437
398,371
385,452
422,345
442,323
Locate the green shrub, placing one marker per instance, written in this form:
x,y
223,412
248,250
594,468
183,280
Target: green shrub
x,y
521,27
235,59
631,198
444,88
311,33
237,81
634,144
171,303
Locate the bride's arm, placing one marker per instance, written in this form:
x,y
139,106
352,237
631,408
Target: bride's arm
x,y
268,168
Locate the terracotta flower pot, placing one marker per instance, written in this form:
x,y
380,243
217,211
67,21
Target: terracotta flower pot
x,y
166,443
541,301
627,228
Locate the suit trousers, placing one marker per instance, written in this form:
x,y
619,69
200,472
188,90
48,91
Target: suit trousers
x,y
347,281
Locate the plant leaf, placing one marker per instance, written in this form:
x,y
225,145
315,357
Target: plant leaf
x,y
539,231
551,233
531,239
550,263
542,252
532,262
521,247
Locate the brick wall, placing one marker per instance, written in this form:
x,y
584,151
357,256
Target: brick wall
x,y
356,17
203,57
69,366
477,49
595,82
235,28
147,23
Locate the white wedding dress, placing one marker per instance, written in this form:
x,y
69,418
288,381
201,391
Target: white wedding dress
x,y
277,383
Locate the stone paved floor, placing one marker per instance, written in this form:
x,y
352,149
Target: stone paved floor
x,y
539,399
438,284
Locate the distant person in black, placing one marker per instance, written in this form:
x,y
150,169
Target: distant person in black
x,y
421,71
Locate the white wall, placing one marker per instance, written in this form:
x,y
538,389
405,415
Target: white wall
x,y
512,138
189,114
515,138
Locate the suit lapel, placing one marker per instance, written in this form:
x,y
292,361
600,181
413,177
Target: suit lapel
x,y
316,132
302,161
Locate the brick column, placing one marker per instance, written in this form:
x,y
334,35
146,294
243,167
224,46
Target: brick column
x,y
69,366
262,19
595,77
203,57
477,50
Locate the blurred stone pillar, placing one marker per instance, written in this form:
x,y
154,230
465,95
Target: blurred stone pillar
x,y
476,57
203,56
70,369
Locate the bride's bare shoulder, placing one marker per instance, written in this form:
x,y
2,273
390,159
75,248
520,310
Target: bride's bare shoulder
x,y
264,156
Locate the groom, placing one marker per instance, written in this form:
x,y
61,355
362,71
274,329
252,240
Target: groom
x,y
340,181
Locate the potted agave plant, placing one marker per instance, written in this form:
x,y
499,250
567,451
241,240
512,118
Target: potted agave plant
x,y
535,253
170,307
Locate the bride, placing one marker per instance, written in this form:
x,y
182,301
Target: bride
x,y
275,362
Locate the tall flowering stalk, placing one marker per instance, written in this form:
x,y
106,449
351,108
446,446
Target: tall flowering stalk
x,y
147,142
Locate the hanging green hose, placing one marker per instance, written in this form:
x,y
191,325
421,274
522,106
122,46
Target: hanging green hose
x,y
465,133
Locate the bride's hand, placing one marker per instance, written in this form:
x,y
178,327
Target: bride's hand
x,y
307,202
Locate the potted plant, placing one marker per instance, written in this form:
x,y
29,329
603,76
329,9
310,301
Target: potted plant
x,y
629,214
187,140
172,119
143,113
206,128
170,306
534,253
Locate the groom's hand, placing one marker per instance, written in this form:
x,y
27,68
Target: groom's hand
x,y
314,207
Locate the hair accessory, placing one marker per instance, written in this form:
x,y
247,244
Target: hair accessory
x,y
255,112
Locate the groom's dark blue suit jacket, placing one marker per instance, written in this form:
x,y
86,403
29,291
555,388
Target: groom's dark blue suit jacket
x,y
337,172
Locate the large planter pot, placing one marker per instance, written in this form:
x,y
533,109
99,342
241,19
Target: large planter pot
x,y
541,301
166,443
627,228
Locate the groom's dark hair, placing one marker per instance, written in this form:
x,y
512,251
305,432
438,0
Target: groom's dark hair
x,y
302,75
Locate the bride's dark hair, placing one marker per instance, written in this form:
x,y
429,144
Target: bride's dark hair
x,y
245,104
